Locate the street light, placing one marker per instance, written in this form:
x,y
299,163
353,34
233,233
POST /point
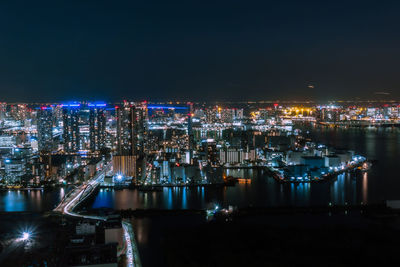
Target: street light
x,y
25,236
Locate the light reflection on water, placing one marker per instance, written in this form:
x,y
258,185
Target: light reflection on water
x,y
262,191
30,200
365,188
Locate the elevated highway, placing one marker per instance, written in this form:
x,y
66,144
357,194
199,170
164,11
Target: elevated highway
x,y
82,192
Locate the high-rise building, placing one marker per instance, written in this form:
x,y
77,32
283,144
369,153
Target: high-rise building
x,y
71,128
131,139
45,129
190,133
97,126
126,132
131,129
141,128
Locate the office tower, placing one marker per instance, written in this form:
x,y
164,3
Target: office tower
x,y
71,128
190,136
131,129
141,128
126,132
124,162
45,129
131,140
97,126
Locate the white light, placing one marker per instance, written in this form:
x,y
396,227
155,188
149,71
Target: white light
x,y
25,235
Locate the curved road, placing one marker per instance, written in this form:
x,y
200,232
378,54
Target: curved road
x,y
79,194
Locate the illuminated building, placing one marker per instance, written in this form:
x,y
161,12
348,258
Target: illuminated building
x,y
211,153
131,140
45,129
131,129
141,128
238,113
126,134
234,156
227,115
14,170
7,141
71,134
125,165
97,126
211,115
230,156
19,112
191,138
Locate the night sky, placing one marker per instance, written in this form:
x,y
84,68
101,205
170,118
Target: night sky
x,y
233,50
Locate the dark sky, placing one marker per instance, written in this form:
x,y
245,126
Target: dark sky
x,y
198,50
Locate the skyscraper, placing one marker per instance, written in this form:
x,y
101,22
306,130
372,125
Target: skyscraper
x,y
131,140
45,129
71,128
131,129
126,134
97,126
190,133
141,128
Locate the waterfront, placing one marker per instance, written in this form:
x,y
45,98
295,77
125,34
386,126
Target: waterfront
x,y
30,200
375,186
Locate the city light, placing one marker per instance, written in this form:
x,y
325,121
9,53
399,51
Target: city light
x,y
25,236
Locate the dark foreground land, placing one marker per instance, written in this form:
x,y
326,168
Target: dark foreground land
x,y
341,238
44,246
249,244
324,236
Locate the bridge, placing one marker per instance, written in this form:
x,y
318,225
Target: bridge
x,y
80,194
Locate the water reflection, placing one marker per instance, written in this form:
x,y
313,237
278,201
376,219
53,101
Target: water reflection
x,y
262,191
13,201
365,188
